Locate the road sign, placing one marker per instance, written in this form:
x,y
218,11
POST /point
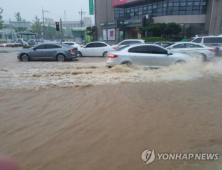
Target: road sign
x,y
91,7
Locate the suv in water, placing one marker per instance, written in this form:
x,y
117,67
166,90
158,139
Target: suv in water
x,y
212,41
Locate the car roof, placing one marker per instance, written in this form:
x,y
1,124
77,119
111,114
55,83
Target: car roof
x,y
68,42
210,36
52,43
134,40
164,42
186,43
135,45
97,42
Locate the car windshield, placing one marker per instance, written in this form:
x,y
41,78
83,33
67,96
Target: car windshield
x,y
65,45
123,47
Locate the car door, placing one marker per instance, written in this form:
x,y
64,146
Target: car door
x,y
100,48
139,55
88,50
192,49
178,47
37,53
50,51
159,57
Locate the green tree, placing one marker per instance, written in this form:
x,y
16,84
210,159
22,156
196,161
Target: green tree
x,y
18,18
91,31
157,29
36,26
1,19
172,29
162,29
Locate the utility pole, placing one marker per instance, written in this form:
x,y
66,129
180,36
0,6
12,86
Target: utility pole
x,y
11,28
43,19
106,23
81,13
61,29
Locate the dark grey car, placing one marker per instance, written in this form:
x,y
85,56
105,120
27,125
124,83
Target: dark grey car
x,y
48,51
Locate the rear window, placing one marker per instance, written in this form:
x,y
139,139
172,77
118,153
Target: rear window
x,y
65,45
197,40
213,40
135,42
120,49
69,43
51,46
138,49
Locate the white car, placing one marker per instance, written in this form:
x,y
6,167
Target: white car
x,y
127,42
193,49
73,44
96,48
147,55
3,44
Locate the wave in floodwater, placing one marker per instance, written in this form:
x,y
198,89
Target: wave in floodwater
x,y
43,75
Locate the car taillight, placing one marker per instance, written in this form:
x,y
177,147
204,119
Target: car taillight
x,y
112,56
72,50
212,50
114,48
81,46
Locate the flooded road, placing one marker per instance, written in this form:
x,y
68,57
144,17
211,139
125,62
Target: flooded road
x,y
82,115
93,71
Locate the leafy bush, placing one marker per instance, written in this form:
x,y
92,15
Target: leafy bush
x,y
155,39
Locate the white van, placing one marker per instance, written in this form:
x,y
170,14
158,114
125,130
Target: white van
x,y
211,41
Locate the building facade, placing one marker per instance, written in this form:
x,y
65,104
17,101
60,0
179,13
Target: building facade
x,y
120,19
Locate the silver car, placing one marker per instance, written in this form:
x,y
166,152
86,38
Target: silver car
x,y
48,51
193,49
149,55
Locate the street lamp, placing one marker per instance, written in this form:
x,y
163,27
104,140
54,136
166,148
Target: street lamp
x,y
43,30
81,13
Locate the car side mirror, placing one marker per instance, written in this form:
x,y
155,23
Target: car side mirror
x,y
34,49
169,53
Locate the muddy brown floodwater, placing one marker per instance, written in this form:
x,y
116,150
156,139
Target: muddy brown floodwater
x,y
81,115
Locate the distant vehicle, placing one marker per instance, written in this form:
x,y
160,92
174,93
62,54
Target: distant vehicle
x,y
31,42
193,49
212,41
218,50
149,55
164,43
4,44
127,42
21,41
73,44
16,44
48,51
97,48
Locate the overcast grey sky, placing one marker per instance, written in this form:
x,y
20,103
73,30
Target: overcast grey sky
x,y
30,8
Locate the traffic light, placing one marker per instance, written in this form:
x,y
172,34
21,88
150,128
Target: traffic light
x,y
57,26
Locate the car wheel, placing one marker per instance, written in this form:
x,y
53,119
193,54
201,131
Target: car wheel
x,y
25,57
203,57
127,63
79,54
104,54
61,57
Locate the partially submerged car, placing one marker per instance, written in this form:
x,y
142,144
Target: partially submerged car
x,y
48,51
149,55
